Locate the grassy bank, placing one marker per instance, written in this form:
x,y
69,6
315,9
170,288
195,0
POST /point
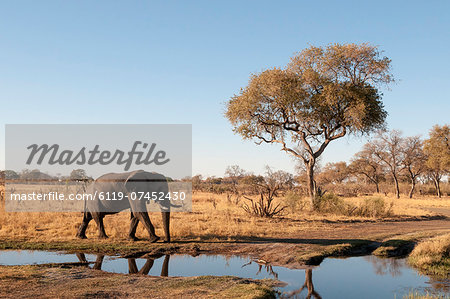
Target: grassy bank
x,y
432,256
82,282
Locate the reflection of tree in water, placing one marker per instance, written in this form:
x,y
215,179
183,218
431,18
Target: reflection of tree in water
x,y
384,266
132,267
312,293
294,294
440,284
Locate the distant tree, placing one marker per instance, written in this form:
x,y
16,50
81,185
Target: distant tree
x,y
252,182
35,175
213,180
273,183
79,175
196,182
11,175
365,163
334,173
387,147
437,150
235,173
281,178
322,95
413,161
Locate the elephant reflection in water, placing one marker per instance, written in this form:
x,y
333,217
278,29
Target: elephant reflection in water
x,y
268,269
132,267
308,285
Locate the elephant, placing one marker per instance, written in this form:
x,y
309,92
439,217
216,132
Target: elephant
x,y
126,184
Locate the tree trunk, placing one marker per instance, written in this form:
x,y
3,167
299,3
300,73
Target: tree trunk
x,y
413,186
311,183
438,187
309,285
397,189
378,187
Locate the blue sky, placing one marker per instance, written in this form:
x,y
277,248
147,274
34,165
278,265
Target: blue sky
x,y
179,62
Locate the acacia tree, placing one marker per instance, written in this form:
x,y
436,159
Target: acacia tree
x,y
387,147
366,164
437,149
235,173
334,173
323,94
413,159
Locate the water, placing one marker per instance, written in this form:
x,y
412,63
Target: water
x,y
355,277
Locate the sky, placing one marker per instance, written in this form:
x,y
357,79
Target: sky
x,y
179,62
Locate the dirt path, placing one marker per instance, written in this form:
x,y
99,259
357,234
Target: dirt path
x,y
286,249
441,211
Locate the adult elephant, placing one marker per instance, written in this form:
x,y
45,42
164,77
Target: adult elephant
x,y
131,185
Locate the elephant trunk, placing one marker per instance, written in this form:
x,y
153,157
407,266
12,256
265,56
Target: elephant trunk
x,y
166,225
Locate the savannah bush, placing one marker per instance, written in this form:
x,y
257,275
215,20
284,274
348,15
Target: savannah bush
x,y
295,201
374,207
330,204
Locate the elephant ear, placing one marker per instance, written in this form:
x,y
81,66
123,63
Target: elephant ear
x,y
143,181
138,181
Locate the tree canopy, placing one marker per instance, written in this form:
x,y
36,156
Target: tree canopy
x,y
437,150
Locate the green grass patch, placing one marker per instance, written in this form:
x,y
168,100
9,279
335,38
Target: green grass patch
x,y
394,248
347,249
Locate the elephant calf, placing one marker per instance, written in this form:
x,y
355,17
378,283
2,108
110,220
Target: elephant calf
x,y
126,184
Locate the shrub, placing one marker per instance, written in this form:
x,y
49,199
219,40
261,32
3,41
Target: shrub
x,y
373,207
295,202
330,203
370,207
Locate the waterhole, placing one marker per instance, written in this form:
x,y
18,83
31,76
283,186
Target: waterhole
x,y
354,277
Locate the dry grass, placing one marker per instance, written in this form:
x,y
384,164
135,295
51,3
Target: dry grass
x,y
416,295
213,217
432,256
418,206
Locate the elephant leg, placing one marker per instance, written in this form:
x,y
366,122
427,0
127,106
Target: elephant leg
x,y
143,217
146,268
132,267
165,266
99,262
133,226
98,218
87,217
166,225
81,257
